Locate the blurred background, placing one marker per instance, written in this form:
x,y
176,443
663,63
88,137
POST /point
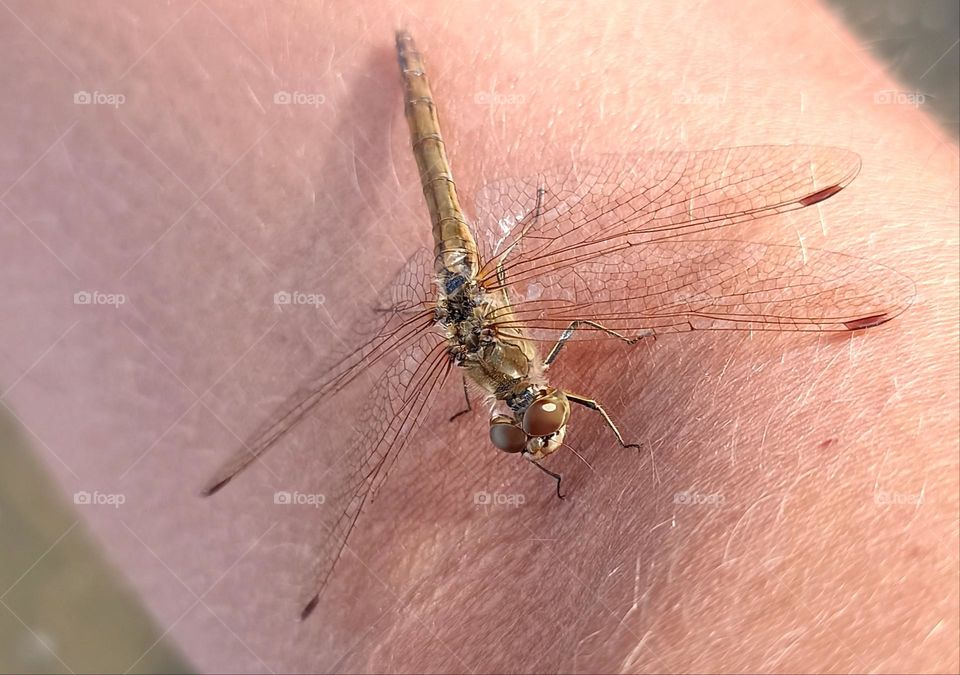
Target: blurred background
x,y
65,599
918,42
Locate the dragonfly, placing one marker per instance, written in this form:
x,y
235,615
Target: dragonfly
x,y
617,247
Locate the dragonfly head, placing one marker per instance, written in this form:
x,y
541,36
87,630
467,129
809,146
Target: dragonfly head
x,y
538,429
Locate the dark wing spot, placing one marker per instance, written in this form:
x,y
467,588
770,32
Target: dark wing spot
x,y
215,487
867,321
310,606
820,195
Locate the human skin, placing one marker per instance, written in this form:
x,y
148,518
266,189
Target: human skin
x,y
832,542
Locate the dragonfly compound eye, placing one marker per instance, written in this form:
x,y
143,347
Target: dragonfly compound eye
x,y
506,435
546,415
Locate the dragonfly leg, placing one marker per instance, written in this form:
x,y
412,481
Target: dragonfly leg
x,y
466,396
593,405
556,476
574,325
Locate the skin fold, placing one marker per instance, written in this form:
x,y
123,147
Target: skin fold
x,y
794,505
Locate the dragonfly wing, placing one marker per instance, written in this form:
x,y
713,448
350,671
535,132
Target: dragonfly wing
x,y
406,364
398,326
394,411
620,240
566,214
671,286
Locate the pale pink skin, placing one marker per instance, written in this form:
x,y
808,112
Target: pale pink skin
x,y
835,546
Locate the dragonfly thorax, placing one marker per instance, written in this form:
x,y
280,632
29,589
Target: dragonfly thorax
x,y
459,312
457,299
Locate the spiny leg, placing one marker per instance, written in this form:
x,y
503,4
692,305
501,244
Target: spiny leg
x,y
556,476
574,325
593,405
466,396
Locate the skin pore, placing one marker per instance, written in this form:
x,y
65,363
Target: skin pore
x,y
794,503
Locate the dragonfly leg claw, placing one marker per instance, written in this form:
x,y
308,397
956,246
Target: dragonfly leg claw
x,y
556,476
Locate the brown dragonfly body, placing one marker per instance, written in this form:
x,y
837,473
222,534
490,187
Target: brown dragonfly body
x,y
484,338
610,247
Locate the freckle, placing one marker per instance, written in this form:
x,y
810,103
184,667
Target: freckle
x,y
829,442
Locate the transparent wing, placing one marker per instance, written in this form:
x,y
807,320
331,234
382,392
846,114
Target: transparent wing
x,y
608,240
391,417
401,327
673,286
406,364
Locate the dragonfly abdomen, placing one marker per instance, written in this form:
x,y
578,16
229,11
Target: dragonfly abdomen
x,y
454,245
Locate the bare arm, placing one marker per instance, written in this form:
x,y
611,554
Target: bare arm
x,y
796,506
